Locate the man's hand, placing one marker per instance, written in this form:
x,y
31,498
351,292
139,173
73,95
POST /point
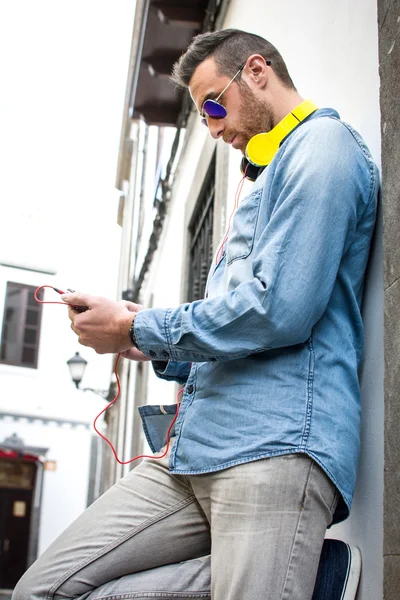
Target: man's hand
x,y
105,325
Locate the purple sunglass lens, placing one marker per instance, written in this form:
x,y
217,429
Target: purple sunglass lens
x,y
214,109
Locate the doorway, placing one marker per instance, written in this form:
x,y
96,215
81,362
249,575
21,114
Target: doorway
x,y
17,483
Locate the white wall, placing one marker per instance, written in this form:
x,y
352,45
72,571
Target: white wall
x,y
364,527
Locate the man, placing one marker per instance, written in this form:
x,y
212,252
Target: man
x,y
266,442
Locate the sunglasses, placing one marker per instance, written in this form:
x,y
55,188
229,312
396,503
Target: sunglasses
x,y
212,108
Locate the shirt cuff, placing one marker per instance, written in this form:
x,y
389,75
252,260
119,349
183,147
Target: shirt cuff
x,y
150,334
132,334
172,370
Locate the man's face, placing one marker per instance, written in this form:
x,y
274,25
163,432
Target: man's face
x,y
248,114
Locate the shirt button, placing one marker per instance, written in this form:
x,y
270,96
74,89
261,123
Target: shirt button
x,y
152,354
190,389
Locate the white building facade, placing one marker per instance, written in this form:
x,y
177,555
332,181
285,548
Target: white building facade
x,y
50,458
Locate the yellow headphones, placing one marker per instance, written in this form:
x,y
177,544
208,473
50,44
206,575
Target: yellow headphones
x,y
262,147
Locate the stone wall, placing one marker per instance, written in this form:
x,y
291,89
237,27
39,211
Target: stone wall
x,y
389,54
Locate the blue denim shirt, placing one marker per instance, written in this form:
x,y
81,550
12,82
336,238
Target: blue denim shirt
x,y
269,359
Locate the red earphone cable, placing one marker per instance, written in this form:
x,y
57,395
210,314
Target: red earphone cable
x,y
121,462
235,206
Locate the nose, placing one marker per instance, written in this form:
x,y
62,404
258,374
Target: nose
x,y
216,127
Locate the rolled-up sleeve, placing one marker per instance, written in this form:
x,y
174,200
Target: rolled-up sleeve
x,y
172,370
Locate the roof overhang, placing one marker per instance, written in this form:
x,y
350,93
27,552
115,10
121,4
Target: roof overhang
x,y
162,31
167,27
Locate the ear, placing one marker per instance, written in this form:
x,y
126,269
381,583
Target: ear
x,y
257,70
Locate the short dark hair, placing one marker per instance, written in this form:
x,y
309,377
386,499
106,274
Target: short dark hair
x,y
230,48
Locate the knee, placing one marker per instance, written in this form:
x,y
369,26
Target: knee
x,y
28,587
22,589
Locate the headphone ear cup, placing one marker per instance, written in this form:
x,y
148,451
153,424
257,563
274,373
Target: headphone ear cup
x,y
244,163
262,148
250,171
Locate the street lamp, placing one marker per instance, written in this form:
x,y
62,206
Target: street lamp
x,y
77,365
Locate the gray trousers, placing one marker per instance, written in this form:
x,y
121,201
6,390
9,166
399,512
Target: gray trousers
x,y
263,523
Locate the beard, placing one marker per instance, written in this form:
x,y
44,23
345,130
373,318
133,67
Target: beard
x,y
255,116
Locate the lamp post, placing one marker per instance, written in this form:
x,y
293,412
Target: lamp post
x,y
77,365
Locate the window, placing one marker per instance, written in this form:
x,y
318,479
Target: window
x,y
201,237
21,326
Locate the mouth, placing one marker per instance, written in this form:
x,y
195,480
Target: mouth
x,y
229,141
234,142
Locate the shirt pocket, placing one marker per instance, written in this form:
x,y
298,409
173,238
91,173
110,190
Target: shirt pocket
x,y
241,237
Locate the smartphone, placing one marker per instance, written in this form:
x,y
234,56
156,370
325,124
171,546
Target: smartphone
x,y
77,308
